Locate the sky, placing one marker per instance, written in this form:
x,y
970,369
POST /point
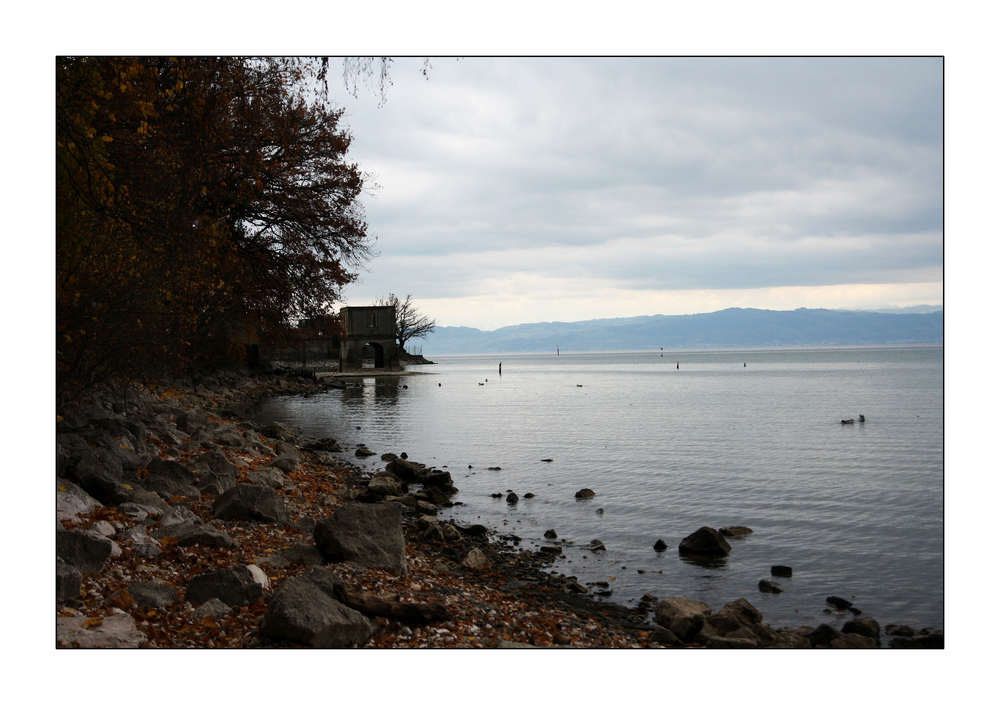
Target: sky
x,y
518,190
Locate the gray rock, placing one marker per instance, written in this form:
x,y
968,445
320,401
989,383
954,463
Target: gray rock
x,y
98,471
853,641
152,594
735,531
823,635
171,470
195,535
250,503
682,616
790,640
214,608
366,534
279,431
407,470
179,515
127,494
228,435
865,626
706,541
269,477
385,483
284,463
72,501
234,586
302,613
769,586
660,545
726,642
585,493
303,553
440,479
551,534
838,603
925,638
167,487
662,635
84,550
742,611
287,450
474,559
117,631
68,581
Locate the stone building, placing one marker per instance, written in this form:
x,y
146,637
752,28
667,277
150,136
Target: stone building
x,y
371,330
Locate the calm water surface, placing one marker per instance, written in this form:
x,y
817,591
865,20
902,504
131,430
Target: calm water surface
x,y
856,510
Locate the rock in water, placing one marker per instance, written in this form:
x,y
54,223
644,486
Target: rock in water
x,y
838,603
585,493
734,531
660,545
706,541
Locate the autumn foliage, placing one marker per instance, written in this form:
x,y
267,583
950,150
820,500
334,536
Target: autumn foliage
x,y
201,204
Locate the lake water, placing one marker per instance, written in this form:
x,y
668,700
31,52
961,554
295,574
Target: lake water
x,y
748,438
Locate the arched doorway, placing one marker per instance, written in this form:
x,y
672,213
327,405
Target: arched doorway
x,y
373,356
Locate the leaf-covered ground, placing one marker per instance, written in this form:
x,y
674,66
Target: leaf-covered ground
x,y
511,600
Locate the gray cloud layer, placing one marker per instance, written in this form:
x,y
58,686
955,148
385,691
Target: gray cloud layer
x,y
655,174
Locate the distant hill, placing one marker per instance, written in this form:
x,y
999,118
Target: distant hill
x,y
730,328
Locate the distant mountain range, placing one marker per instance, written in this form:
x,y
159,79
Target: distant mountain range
x,y
730,328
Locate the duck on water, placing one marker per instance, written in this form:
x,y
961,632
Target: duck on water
x,y
861,419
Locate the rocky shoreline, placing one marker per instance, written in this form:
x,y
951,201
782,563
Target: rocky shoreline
x,y
180,523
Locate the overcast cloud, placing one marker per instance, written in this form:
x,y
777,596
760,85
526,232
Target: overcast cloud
x,y
524,190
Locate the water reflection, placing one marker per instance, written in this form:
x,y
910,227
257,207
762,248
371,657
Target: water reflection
x,y
711,562
374,389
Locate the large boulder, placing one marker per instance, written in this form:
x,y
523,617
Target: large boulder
x,y
865,626
302,613
171,470
98,471
385,483
742,611
84,550
134,496
234,586
441,480
706,541
215,473
407,470
823,635
367,534
250,503
683,616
